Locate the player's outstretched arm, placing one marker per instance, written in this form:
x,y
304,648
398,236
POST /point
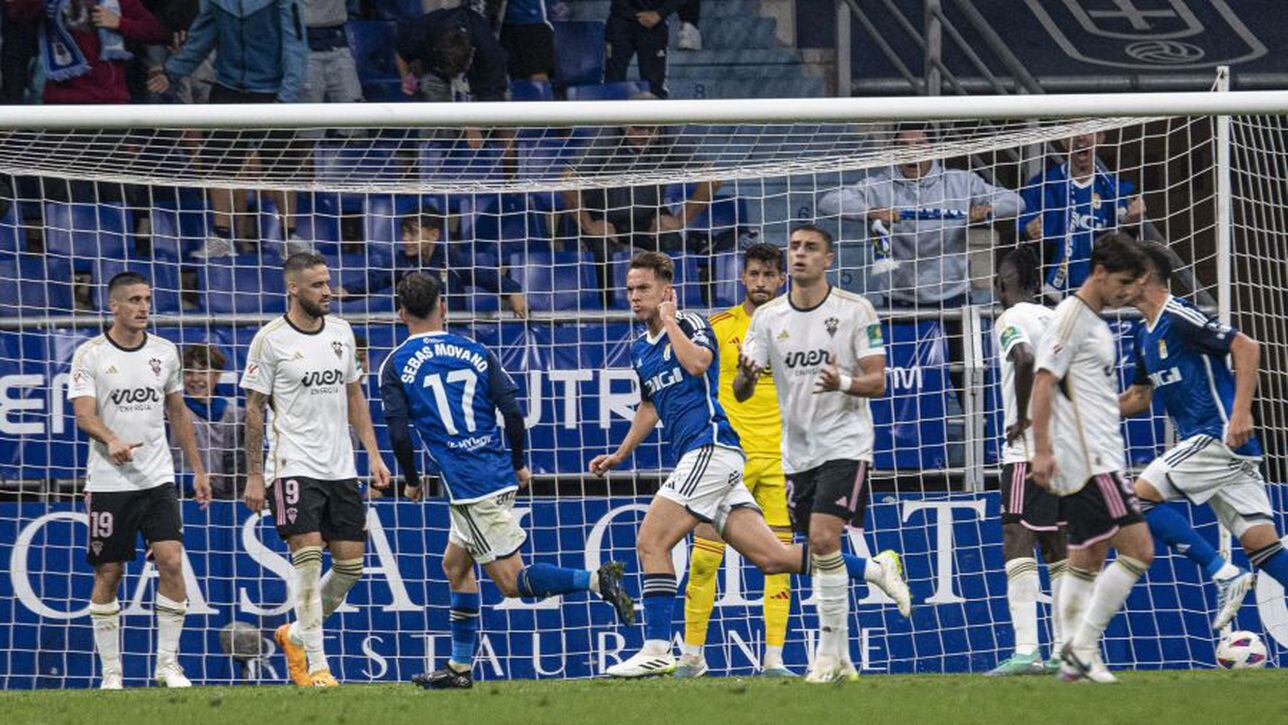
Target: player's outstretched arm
x,y
393,399
360,421
1040,408
181,425
119,451
254,437
1246,353
642,424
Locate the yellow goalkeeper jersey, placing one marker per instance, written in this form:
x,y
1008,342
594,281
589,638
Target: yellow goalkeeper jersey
x,y
755,419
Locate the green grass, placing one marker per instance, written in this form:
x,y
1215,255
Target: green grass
x,y
1172,698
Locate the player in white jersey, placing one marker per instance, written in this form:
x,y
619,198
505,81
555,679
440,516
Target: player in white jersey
x,y
124,384
1079,454
305,367
1030,515
828,356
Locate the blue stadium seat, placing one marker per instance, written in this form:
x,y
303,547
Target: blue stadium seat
x,y
579,53
23,289
177,234
372,43
726,287
12,236
725,213
549,155
687,281
359,159
318,220
526,90
507,224
85,232
382,222
347,270
243,285
456,161
557,281
618,91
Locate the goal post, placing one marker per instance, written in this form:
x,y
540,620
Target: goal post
x,y
530,213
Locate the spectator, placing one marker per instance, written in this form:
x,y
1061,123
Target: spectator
x,y
423,248
448,49
925,208
529,40
332,73
634,217
217,421
261,57
82,45
177,16
689,37
638,27
18,48
1069,206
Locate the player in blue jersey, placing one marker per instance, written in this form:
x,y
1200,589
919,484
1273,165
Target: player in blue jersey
x,y
1180,357
676,362
1067,207
449,388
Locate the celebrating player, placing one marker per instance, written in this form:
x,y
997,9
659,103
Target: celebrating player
x,y
1078,454
450,388
1181,355
124,384
305,366
825,347
1030,515
756,423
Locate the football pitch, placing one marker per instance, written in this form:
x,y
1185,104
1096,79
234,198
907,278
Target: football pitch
x,y
1171,697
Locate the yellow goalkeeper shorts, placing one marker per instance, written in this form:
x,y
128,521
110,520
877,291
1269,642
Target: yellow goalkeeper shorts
x,y
764,478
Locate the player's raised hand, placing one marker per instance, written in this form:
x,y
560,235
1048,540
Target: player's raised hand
x,y
1043,469
254,494
379,474
121,452
602,464
524,476
667,309
747,366
1239,430
201,489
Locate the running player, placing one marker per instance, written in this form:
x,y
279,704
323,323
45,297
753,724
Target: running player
x,y
1181,357
756,422
304,365
124,385
1079,455
827,352
1030,515
679,379
449,388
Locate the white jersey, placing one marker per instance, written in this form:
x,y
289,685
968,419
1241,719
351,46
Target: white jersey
x,y
305,374
129,389
796,345
1086,428
1025,323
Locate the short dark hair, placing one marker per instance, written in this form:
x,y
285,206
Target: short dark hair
x,y
429,218
301,261
656,261
1118,252
815,229
1160,261
764,252
124,279
202,356
418,294
1027,269
453,49
914,127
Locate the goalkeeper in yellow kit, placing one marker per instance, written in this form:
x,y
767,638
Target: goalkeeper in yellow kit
x,y
758,426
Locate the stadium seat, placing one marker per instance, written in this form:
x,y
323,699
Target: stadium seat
x,y
726,287
687,281
163,276
357,160
177,234
725,213
243,285
382,222
579,53
23,288
372,43
347,270
456,161
85,232
525,90
556,281
13,239
619,91
548,156
507,224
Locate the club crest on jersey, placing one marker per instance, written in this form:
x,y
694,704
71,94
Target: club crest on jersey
x,y
831,324
666,352
337,347
1162,349
96,547
1095,200
291,513
155,364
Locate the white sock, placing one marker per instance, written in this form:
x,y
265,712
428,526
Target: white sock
x,y
344,574
308,604
833,585
1022,600
1112,587
1058,572
107,634
692,650
594,582
170,616
656,646
1074,597
1226,571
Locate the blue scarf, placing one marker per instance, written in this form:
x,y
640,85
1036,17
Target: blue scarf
x,y
61,56
214,411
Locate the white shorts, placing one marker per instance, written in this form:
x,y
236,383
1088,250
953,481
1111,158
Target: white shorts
x,y
708,482
1202,469
487,529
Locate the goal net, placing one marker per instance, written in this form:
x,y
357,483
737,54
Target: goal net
x,y
531,220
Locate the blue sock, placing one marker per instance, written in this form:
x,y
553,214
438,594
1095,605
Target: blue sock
x,y
465,626
544,580
1273,561
659,598
855,566
1168,524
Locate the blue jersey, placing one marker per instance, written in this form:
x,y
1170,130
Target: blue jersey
x,y
450,387
1183,357
686,404
1073,215
525,12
